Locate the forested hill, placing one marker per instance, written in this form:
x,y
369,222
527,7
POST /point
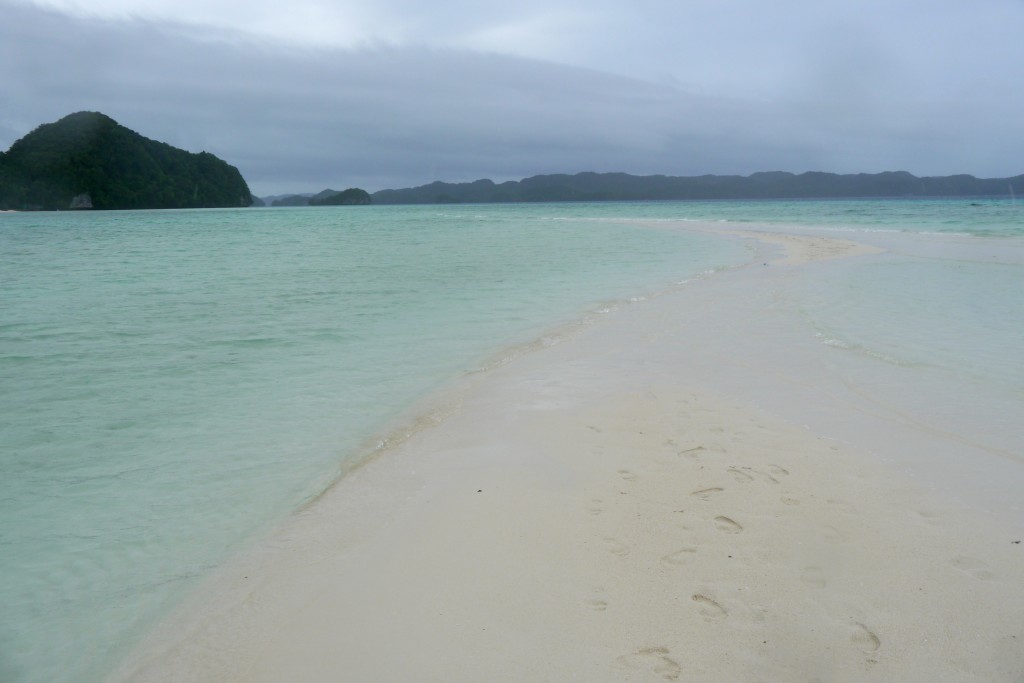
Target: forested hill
x,y
774,185
88,160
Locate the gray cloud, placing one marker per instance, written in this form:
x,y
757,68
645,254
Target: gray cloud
x,y
827,92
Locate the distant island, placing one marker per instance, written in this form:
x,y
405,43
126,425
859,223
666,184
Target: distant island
x,y
87,160
353,196
594,187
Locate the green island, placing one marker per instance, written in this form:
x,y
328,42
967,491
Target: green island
x,y
87,160
596,187
600,187
353,196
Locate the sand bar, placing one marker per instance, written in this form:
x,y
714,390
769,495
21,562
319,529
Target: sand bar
x,y
681,491
800,249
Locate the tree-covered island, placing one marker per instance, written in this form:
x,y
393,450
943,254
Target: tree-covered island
x,y
87,160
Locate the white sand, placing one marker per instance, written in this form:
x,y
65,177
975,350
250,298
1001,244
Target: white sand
x,y
801,249
681,491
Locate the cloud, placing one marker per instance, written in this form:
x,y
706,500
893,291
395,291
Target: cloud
x,y
526,28
465,91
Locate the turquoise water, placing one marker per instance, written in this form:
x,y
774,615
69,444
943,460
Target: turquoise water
x,y
933,328
979,217
174,382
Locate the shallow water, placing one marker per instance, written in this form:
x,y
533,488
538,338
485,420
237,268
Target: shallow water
x,y
174,382
937,323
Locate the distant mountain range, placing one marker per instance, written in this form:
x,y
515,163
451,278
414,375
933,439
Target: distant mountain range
x,y
594,187
772,185
351,196
89,161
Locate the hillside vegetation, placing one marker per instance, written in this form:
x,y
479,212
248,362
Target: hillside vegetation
x,y
88,160
772,185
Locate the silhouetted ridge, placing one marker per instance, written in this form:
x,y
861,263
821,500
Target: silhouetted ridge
x,y
351,196
766,185
87,160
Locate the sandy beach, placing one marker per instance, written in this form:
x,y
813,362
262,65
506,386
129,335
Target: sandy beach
x,y
686,488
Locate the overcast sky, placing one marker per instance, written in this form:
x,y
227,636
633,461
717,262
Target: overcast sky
x,y
311,94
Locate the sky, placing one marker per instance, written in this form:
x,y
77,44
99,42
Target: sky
x,y
315,94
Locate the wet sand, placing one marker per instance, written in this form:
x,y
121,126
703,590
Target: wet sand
x,y
683,490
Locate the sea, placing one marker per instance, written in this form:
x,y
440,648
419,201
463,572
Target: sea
x,y
174,383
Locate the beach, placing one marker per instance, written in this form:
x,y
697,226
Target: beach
x,y
688,487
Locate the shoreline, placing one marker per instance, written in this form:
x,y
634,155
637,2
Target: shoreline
x,y
631,503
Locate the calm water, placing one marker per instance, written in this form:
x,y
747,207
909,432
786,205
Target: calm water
x,y
935,324
173,382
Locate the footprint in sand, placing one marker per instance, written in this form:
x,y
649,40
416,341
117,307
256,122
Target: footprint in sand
x,y
972,567
864,639
708,607
679,557
740,476
706,494
813,576
842,505
929,516
595,507
763,475
745,475
597,601
727,525
616,547
692,452
653,659
627,475
789,501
